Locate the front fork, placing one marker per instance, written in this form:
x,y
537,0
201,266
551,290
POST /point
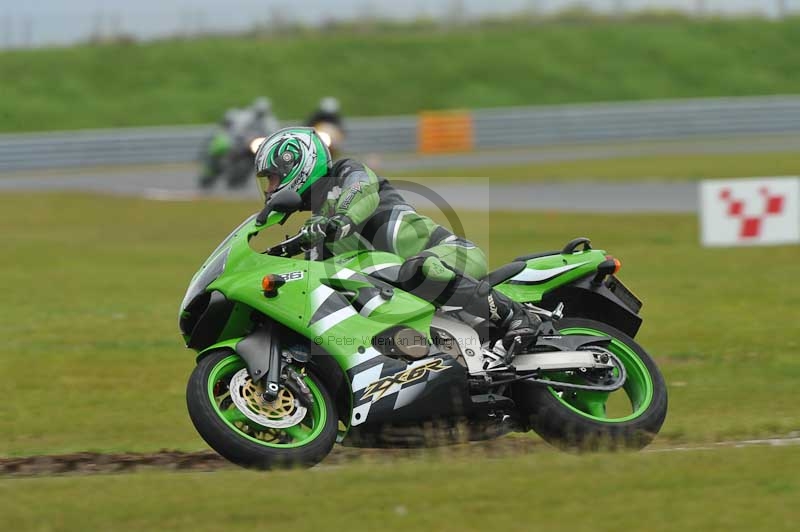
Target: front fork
x,y
273,354
264,357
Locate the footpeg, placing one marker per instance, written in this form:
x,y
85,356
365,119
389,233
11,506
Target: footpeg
x,y
516,343
492,401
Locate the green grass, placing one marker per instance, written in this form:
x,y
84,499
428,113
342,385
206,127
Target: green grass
x,y
93,360
642,168
383,72
722,490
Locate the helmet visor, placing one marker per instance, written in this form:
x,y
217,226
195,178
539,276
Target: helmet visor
x,y
268,184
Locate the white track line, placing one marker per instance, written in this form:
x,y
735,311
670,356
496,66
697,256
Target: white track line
x,y
791,440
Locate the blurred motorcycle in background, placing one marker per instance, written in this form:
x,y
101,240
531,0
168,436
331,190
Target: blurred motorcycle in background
x,y
332,135
228,156
327,121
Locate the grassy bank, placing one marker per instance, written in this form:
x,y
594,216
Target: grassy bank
x,y
385,72
726,490
94,360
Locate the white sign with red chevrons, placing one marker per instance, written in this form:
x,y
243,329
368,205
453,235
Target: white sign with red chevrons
x,y
750,212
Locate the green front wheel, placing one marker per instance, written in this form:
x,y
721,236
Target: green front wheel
x,y
227,409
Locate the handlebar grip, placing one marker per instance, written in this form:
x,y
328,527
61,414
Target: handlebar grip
x,y
287,248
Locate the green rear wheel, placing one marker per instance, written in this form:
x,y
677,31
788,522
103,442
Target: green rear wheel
x,y
628,417
228,411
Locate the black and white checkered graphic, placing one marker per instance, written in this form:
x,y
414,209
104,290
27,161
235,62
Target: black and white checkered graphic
x,y
398,394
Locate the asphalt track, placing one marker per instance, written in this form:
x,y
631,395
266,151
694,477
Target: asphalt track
x,y
175,183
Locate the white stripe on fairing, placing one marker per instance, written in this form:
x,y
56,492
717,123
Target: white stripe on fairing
x,y
367,377
332,319
344,273
318,297
531,275
360,414
371,305
379,267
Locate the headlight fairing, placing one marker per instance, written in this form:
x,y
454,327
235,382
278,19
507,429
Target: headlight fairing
x,y
207,275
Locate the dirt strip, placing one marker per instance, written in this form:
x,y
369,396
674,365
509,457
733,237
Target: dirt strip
x,y
87,463
83,463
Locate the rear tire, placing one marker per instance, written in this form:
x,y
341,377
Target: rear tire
x,y
568,427
239,441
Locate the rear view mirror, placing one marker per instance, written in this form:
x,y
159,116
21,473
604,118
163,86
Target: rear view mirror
x,y
286,201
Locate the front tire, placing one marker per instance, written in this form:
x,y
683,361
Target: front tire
x,y
580,420
234,435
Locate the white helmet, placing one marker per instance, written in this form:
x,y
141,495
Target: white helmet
x,y
262,106
329,105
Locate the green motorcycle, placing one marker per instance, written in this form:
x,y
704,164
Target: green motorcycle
x,y
295,355
228,158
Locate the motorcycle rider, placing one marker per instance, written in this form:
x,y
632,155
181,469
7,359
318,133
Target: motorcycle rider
x,y
329,111
263,121
353,207
327,120
255,121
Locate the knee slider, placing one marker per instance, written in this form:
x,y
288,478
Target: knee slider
x,y
411,268
434,269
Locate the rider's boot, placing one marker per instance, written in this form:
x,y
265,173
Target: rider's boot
x,y
519,327
429,278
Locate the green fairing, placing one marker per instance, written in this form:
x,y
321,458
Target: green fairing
x,y
226,344
586,261
292,306
220,144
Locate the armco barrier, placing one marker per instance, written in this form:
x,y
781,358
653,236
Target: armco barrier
x,y
434,132
446,132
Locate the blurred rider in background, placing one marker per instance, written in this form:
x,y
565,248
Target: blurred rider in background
x,y
327,120
328,111
263,121
255,121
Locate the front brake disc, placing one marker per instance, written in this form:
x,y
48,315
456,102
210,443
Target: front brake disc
x,y
285,411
